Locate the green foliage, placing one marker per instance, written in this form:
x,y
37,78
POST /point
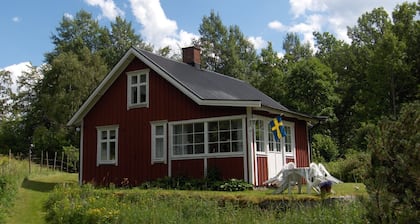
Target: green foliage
x,y
324,148
89,205
235,185
352,168
393,176
12,173
226,50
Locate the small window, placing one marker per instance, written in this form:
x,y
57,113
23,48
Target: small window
x,y
138,88
107,145
259,136
159,142
288,140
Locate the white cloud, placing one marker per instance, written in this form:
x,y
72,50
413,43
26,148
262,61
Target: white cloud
x,y
16,70
332,16
277,25
299,7
16,19
258,42
157,28
68,16
108,7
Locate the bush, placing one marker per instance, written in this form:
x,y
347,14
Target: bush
x,y
393,181
352,168
324,148
235,185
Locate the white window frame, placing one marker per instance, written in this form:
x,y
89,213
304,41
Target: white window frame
x,y
108,129
206,153
138,85
154,139
282,143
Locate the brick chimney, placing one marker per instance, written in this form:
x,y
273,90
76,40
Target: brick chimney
x,y
191,56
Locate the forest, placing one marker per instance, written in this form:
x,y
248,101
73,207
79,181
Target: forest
x,y
369,89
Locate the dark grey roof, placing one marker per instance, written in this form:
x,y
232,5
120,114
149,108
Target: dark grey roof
x,y
209,85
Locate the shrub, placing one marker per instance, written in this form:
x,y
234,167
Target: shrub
x,y
393,181
352,168
235,185
324,148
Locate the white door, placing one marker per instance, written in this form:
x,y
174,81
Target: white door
x,y
275,158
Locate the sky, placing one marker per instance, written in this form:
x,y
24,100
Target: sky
x,y
26,26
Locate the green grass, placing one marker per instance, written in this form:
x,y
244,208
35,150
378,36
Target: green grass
x,y
108,205
32,194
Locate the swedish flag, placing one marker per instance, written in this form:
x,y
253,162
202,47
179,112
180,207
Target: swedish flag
x,y
277,128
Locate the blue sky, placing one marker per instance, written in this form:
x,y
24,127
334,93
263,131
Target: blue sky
x,y
26,26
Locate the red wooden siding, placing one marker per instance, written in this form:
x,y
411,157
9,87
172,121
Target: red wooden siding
x,y
290,160
301,143
262,169
232,167
134,145
193,168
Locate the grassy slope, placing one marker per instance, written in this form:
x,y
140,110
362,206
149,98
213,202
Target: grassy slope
x,y
32,194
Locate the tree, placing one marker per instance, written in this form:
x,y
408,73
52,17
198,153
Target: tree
x,y
393,181
271,78
294,50
76,34
226,50
311,88
6,95
122,37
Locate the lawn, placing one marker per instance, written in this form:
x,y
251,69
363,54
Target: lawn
x,y
32,193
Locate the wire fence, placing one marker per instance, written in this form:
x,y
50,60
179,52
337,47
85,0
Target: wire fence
x,y
51,161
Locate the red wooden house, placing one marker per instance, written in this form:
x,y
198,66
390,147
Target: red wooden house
x,y
153,117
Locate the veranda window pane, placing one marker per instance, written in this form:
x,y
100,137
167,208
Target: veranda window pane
x,y
213,126
225,147
224,125
236,135
236,124
188,128
213,137
236,146
198,138
178,150
213,148
198,127
224,136
199,148
178,129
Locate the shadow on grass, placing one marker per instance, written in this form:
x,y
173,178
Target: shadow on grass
x,y
37,185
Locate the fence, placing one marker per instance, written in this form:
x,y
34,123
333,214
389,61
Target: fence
x,y
56,161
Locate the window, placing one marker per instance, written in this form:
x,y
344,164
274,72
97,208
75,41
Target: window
x,y
259,136
273,145
107,149
288,140
215,136
138,88
158,142
188,139
225,136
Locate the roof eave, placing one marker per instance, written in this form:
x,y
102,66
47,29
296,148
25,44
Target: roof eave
x,y
309,118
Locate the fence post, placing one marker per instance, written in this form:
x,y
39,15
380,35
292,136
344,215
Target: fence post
x,y
42,160
46,153
55,159
62,159
30,154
